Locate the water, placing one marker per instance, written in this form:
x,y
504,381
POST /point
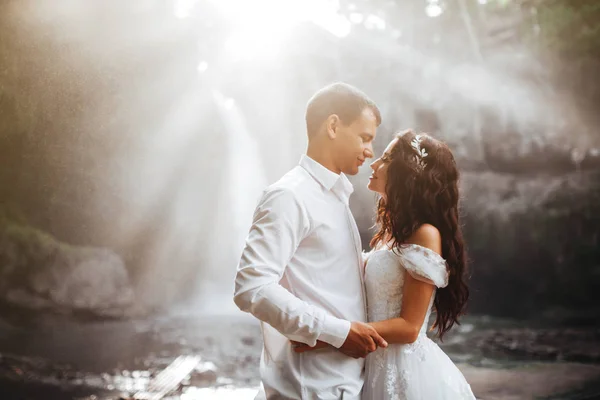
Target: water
x,y
243,182
109,357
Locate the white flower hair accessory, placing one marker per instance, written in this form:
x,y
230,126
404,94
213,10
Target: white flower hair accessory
x,y
421,153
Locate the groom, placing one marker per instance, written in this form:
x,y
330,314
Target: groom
x,y
301,270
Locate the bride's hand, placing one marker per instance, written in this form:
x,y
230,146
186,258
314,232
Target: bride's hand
x,y
300,347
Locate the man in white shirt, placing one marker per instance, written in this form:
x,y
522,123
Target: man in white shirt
x,y
301,270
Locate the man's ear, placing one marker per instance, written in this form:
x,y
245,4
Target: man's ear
x,y
331,125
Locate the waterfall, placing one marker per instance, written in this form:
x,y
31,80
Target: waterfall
x,y
244,180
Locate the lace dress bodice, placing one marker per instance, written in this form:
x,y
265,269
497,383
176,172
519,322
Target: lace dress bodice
x,y
418,370
384,278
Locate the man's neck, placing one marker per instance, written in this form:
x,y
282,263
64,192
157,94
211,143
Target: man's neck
x,y
320,155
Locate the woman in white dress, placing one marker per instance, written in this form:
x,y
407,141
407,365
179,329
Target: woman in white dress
x,y
417,263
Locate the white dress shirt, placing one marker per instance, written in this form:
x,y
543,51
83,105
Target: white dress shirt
x,y
301,274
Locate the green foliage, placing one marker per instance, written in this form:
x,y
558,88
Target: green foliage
x,y
23,247
568,28
571,28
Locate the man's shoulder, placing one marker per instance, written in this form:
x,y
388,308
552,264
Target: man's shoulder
x,y
288,193
296,181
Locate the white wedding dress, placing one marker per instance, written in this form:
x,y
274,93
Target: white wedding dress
x,y
419,370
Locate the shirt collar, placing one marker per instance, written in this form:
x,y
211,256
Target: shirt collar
x,y
326,178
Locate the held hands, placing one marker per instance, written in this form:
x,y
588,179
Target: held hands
x,y
361,340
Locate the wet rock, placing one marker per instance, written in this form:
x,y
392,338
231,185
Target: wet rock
x,y
40,273
546,344
534,245
533,381
205,374
204,378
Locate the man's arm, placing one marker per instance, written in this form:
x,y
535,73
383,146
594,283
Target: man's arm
x,y
279,225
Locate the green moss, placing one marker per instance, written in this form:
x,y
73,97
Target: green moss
x,y
23,249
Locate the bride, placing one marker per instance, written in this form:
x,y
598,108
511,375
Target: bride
x,y
417,264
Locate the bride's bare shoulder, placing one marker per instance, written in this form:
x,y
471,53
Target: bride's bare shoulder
x,y
428,236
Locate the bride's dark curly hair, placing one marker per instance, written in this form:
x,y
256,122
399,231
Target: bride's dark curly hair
x,y
429,195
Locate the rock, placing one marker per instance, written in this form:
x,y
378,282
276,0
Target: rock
x,y
40,273
88,279
578,345
536,238
531,381
205,374
204,378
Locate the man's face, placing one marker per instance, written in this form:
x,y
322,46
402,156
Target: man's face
x,y
354,142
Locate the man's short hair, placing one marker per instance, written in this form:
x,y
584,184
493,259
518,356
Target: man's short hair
x,y
342,99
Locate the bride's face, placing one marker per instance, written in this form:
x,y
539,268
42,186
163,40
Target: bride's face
x,y
378,178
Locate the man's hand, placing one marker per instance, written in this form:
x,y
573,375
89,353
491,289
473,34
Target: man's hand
x,y
362,340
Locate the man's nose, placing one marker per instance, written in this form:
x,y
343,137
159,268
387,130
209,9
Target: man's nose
x,y
369,152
